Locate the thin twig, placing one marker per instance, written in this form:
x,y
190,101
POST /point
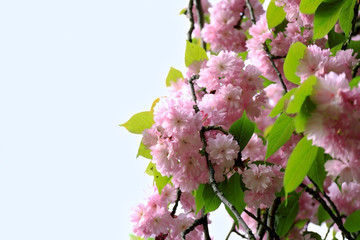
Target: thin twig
x,y
271,58
231,231
262,230
355,69
191,17
201,20
328,231
178,195
337,220
272,214
258,220
327,198
205,226
251,10
346,43
218,128
196,223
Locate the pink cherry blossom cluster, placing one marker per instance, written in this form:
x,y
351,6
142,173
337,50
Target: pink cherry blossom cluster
x,y
217,92
225,89
263,182
334,125
318,62
298,29
229,21
156,219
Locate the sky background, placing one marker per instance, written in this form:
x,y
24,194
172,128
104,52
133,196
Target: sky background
x,y
70,72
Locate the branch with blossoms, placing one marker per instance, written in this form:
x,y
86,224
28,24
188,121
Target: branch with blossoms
x,y
266,124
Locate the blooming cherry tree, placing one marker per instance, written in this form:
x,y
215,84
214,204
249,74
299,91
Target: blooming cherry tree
x,y
266,121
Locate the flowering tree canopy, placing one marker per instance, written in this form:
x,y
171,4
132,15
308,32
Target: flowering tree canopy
x,y
266,120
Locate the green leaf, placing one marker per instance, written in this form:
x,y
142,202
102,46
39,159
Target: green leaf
x,y
302,116
279,107
322,214
300,95
194,53
150,169
139,122
266,82
274,15
133,237
287,214
325,17
355,45
211,201
335,38
309,6
317,171
243,55
242,130
143,151
281,27
354,82
160,180
199,201
346,15
352,222
313,235
173,76
299,164
295,53
280,133
233,192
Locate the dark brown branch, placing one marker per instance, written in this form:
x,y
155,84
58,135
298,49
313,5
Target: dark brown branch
x,y
191,17
327,198
271,58
200,14
355,69
178,195
353,22
272,214
205,227
209,128
262,230
251,10
211,169
328,231
259,221
196,223
337,220
217,191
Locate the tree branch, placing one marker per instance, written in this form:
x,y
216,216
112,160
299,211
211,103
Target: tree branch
x,y
327,198
211,169
346,43
337,220
272,213
205,227
201,20
272,58
196,223
251,10
178,195
258,220
191,16
355,69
